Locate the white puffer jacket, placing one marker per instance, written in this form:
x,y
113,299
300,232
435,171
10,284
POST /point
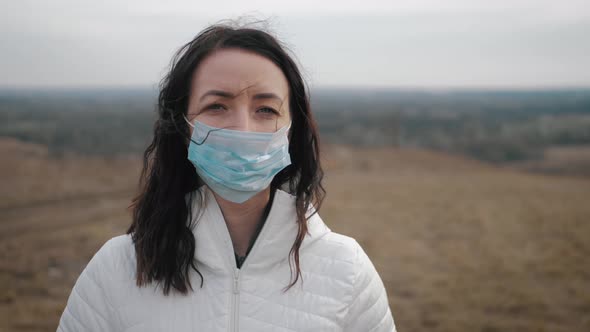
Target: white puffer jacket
x,y
341,290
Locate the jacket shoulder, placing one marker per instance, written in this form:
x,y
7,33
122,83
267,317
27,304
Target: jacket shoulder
x,y
366,299
339,247
90,306
117,256
332,255
322,241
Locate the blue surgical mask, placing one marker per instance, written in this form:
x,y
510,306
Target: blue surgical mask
x,y
236,164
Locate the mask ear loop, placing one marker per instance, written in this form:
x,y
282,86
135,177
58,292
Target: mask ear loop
x,y
277,120
195,128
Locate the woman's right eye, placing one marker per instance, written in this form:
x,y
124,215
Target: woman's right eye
x,y
215,107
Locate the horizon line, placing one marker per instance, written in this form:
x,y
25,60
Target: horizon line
x,y
408,88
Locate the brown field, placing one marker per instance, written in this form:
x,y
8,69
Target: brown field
x,y
571,160
460,245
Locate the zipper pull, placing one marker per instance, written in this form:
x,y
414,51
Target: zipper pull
x,y
236,282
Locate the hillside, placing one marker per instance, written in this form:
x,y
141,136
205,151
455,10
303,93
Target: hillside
x,y
460,245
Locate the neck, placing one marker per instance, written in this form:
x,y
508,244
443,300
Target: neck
x,y
243,218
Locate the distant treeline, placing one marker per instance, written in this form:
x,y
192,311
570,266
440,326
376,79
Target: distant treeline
x,y
98,122
495,126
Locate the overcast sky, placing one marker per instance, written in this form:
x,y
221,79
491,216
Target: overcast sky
x,y
436,43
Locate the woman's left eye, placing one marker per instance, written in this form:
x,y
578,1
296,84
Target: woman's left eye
x,y
267,110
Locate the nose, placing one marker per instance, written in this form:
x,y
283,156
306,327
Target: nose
x,y
241,120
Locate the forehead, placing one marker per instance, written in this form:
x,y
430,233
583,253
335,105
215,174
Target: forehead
x,y
236,70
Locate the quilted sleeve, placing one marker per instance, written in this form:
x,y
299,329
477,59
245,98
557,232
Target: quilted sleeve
x,y
88,307
369,310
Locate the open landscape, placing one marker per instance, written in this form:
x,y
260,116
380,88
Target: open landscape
x,y
461,243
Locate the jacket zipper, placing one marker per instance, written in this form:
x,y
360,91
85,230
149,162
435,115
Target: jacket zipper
x,y
236,285
236,300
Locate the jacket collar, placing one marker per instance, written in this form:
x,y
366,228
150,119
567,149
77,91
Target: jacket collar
x,y
214,249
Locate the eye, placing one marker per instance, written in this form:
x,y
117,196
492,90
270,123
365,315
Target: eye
x,y
267,111
215,107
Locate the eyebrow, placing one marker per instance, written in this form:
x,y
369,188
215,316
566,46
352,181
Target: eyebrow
x,y
225,94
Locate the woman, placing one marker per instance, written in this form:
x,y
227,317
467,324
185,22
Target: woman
x,y
225,233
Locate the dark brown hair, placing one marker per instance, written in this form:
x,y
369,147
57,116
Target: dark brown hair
x,y
162,216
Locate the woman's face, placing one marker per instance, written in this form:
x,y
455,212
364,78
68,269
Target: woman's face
x,y
239,90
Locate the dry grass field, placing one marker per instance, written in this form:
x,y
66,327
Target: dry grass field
x,y
460,245
572,160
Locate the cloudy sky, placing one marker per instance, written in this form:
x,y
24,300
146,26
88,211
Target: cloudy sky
x,y
430,43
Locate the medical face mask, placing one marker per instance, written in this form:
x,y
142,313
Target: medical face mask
x,y
237,164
